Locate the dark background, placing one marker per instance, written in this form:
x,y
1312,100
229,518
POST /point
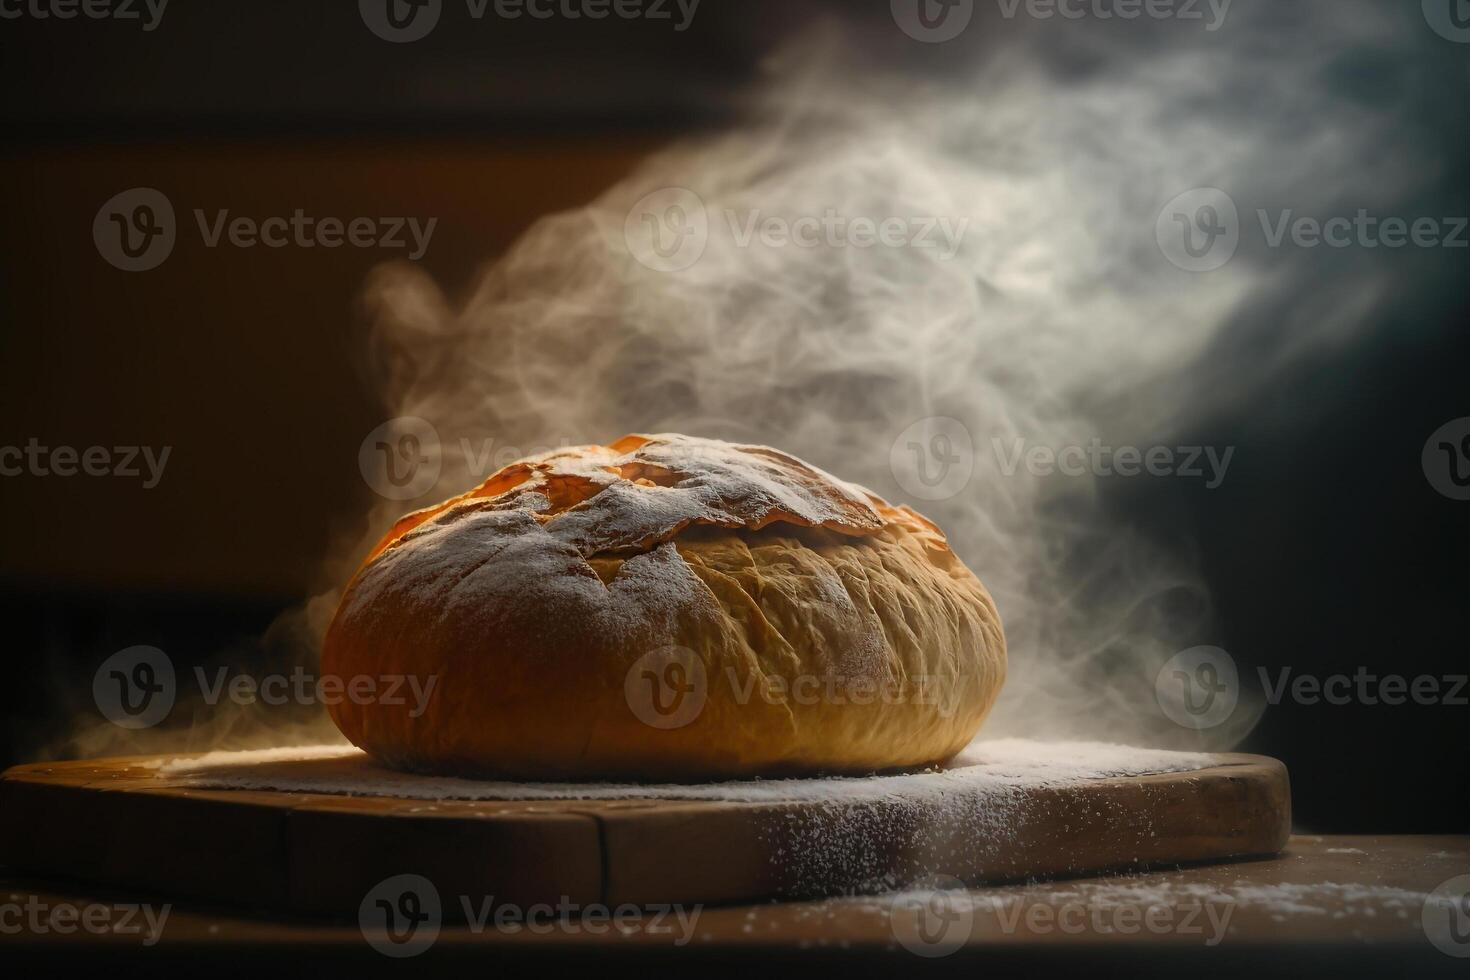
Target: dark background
x,y
1325,550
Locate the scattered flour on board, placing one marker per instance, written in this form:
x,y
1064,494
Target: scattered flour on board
x,y
974,806
985,770
1281,901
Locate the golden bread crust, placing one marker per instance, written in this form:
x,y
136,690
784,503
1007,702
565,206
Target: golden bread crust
x,y
812,627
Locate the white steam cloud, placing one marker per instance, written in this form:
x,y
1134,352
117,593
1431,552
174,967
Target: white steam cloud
x,y
1057,320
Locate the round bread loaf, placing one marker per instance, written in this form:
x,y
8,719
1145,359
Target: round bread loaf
x,y
664,608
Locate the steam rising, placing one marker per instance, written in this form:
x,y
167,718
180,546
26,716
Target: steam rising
x,y
1057,321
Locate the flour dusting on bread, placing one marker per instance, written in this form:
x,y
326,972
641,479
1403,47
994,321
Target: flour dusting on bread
x,y
643,490
816,627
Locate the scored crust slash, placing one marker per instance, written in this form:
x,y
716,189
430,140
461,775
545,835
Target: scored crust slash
x,y
668,607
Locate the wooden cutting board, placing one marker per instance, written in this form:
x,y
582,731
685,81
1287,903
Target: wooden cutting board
x,y
118,822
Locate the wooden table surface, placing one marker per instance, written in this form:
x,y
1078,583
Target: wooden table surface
x,y
1354,905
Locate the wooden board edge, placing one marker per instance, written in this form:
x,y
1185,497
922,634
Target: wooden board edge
x,y
712,853
56,822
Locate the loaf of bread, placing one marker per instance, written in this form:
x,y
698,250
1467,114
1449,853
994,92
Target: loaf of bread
x,y
664,608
